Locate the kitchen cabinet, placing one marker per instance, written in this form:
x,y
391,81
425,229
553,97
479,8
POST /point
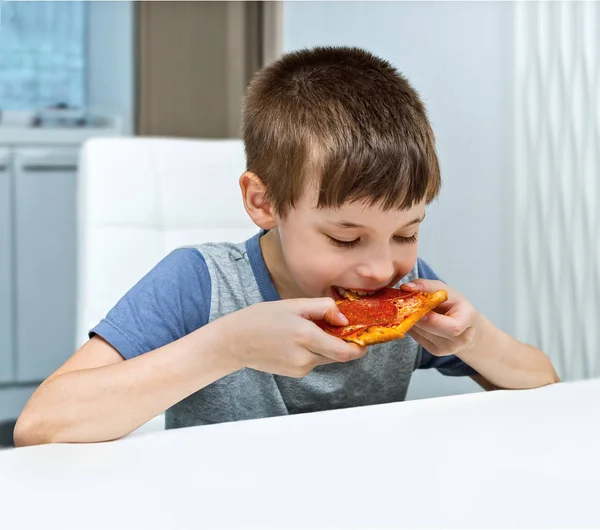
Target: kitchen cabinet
x,y
45,188
38,251
6,287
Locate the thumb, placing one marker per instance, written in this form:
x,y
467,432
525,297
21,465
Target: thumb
x,y
321,309
421,284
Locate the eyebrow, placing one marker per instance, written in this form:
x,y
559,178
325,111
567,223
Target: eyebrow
x,y
348,224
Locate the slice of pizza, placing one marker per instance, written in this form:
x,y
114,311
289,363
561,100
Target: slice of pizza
x,y
383,316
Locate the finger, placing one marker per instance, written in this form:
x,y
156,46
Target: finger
x,y
409,287
421,284
443,308
446,307
442,325
321,309
334,348
440,345
321,359
426,343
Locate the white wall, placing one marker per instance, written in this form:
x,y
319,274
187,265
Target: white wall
x,y
458,56
110,56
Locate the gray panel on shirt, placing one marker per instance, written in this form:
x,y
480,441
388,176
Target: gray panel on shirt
x,y
382,376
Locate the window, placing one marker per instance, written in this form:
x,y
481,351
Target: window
x,y
42,54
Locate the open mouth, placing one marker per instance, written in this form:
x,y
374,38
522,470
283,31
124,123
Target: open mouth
x,y
341,293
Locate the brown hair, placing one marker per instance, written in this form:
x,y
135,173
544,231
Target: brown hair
x,y
344,120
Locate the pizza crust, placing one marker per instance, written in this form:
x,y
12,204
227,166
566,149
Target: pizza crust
x,y
375,335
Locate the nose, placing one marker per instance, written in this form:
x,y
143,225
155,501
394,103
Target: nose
x,y
379,268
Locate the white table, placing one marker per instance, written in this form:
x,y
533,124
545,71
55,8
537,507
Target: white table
x,y
502,459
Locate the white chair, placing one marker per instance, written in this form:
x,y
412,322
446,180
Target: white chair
x,y
138,199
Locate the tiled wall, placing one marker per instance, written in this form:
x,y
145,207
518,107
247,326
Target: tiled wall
x,y
42,54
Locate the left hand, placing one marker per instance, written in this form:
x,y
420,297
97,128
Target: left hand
x,y
450,327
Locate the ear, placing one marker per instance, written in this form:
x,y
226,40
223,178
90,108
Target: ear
x,y
253,195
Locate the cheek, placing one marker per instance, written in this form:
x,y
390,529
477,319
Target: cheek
x,y
407,259
312,263
316,266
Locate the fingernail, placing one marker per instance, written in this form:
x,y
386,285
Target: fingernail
x,y
343,319
411,284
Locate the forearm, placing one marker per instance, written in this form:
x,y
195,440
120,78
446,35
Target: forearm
x,y
504,361
106,403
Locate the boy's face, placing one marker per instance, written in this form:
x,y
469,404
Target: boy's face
x,y
357,247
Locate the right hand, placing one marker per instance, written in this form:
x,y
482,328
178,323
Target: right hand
x,y
280,337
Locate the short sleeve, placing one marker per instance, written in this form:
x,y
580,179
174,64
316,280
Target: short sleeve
x,y
171,301
449,364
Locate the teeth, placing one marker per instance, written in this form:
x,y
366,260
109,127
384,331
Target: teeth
x,y
343,292
359,293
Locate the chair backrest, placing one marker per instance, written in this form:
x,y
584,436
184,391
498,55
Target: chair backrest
x,y
138,199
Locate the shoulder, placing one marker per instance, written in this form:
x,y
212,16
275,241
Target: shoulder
x,y
182,261
425,271
218,250
183,270
170,301
228,266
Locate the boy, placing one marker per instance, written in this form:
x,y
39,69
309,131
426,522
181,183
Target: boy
x,y
341,163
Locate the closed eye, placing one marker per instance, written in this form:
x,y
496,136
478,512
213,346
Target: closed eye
x,y
407,240
350,244
343,244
